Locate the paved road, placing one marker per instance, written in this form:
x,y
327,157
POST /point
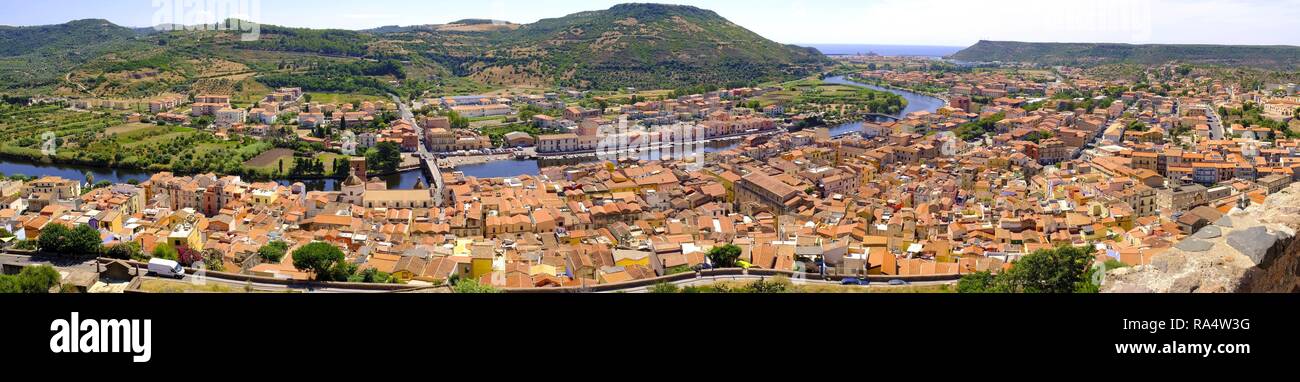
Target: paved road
x,y
89,266
704,281
1217,130
191,278
404,110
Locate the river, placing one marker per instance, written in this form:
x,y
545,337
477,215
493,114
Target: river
x,y
915,102
507,168
403,181
498,169
406,180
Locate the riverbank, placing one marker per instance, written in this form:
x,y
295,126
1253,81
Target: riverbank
x,y
915,101
888,87
659,146
12,167
502,165
486,167
452,162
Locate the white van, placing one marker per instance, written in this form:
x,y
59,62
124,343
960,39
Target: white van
x,y
166,268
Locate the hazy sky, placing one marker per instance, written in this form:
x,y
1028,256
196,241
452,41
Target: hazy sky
x,y
907,22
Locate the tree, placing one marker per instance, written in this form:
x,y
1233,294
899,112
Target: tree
x,y
342,271
85,240
373,275
32,279
386,157
978,129
124,251
59,239
214,260
341,168
1038,135
665,287
473,287
768,287
165,251
724,256
319,258
53,239
274,251
980,282
188,256
457,121
1060,270
38,279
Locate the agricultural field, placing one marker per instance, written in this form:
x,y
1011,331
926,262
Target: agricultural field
x,y
270,159
341,98
101,138
280,161
128,128
811,94
21,129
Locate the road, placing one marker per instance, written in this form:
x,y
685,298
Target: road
x,y
89,266
704,281
191,278
404,111
1217,131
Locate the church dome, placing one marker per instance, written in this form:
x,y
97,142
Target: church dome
x,y
353,179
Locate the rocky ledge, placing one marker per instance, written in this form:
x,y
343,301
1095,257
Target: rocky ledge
x,y
1250,251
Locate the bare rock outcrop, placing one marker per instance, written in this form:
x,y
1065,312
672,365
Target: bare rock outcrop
x,y
1250,251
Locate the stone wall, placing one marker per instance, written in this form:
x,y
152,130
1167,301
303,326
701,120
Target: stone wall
x,y
1250,251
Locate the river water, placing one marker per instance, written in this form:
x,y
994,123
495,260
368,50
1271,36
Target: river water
x,y
915,102
406,180
498,169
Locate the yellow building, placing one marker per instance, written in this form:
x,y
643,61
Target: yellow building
x,y
185,236
265,197
110,221
483,260
543,269
462,248
626,258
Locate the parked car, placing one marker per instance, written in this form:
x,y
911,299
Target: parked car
x,y
166,268
854,281
897,282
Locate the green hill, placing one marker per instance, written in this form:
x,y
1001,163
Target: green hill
x,y
70,37
629,45
652,46
39,55
1084,54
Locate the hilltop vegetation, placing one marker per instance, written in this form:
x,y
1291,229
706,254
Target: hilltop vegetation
x,y
355,77
632,45
39,55
1088,54
650,46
